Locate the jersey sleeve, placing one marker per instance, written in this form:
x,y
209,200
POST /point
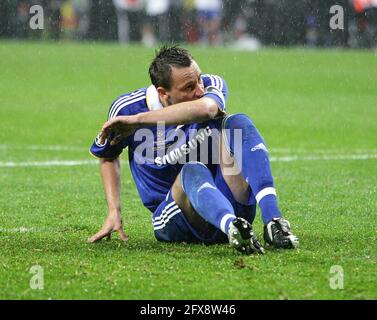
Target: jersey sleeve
x,y
125,105
215,87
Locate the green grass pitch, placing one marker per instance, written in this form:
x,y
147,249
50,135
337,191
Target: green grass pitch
x,y
317,111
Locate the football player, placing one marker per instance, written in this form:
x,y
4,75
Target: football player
x,y
199,170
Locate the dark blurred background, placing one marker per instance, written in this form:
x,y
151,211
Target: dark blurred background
x,y
242,23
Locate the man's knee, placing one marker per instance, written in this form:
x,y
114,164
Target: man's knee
x,y
192,174
240,129
238,121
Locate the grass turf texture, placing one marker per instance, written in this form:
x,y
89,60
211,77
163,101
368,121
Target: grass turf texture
x,y
304,102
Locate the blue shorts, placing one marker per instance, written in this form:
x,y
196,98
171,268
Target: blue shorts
x,y
171,225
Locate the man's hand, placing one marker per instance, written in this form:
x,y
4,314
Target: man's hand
x,y
117,129
113,223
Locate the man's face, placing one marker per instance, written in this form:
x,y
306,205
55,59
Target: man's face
x,y
187,85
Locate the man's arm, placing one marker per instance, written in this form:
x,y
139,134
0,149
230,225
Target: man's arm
x,y
198,111
110,173
195,111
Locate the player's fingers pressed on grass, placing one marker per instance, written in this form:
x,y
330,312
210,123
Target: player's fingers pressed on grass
x,y
107,234
100,235
113,223
122,235
105,231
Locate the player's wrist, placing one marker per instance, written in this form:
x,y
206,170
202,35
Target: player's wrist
x,y
137,120
114,212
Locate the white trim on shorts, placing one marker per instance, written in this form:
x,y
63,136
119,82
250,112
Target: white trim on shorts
x,y
170,210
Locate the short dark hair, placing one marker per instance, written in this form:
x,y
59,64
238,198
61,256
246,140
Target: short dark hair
x,y
166,58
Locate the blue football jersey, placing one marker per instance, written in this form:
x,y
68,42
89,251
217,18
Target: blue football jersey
x,y
157,153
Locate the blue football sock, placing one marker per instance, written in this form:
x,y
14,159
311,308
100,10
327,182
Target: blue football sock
x,y
199,186
252,153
